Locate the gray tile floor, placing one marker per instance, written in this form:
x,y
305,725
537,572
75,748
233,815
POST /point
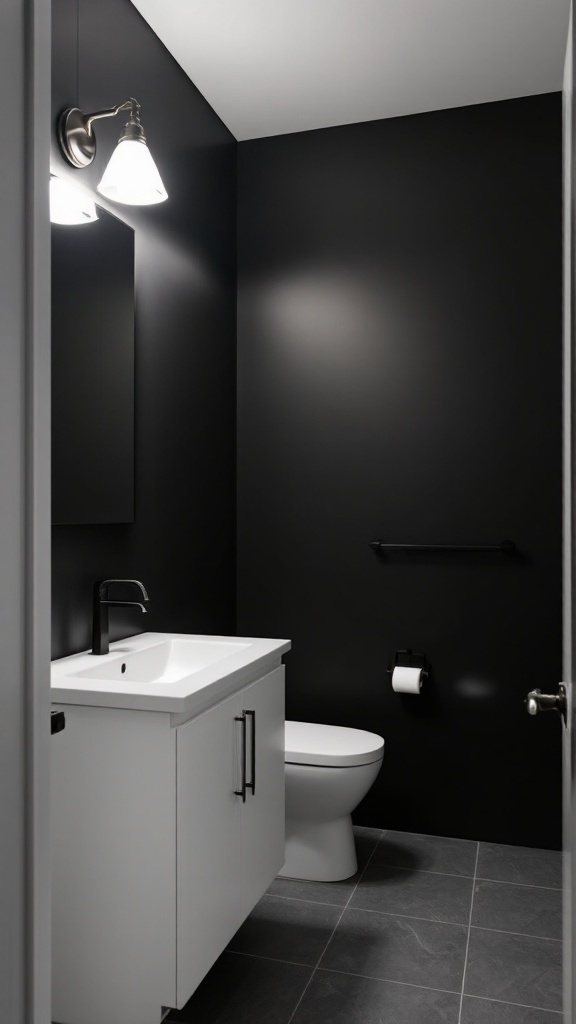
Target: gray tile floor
x,y
429,931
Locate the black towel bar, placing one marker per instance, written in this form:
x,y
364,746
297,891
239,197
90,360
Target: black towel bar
x,y
506,547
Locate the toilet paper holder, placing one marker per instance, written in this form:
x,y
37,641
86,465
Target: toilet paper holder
x,y
410,659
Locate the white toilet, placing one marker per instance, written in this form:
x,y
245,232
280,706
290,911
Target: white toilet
x,y
328,771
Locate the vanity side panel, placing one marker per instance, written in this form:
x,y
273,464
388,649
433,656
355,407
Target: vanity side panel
x,y
114,866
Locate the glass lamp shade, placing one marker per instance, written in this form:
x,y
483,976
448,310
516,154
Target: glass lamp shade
x,y
131,176
68,205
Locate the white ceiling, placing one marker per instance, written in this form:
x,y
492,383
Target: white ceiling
x,y
274,66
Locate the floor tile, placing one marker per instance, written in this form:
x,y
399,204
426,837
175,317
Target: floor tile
x,y
520,864
398,949
337,893
286,930
518,908
515,968
427,853
414,894
244,989
482,1011
341,999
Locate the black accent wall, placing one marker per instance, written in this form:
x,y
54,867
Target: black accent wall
x,y
182,541
399,360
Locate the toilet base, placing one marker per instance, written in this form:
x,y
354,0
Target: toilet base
x,y
320,851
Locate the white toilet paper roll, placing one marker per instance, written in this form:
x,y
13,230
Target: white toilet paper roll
x,y
406,680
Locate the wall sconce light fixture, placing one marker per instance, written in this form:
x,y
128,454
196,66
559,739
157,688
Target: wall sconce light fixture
x,y
131,175
68,205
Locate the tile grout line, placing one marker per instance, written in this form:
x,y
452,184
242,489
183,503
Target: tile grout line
x,y
302,899
388,913
507,1002
520,885
309,982
387,981
347,974
419,871
269,959
410,917
468,938
430,988
520,935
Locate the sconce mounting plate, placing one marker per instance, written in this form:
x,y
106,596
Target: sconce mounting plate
x,y
76,137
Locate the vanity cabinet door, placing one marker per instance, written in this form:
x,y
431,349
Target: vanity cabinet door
x,y
208,842
263,813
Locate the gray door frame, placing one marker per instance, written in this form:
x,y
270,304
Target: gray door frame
x,y
24,511
569,547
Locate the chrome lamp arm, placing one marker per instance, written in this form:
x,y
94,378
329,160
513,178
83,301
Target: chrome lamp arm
x,y
77,139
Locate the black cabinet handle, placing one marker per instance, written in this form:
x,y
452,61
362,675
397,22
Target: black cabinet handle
x,y
242,791
252,785
57,722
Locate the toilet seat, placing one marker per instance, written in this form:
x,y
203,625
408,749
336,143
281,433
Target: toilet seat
x,y
331,746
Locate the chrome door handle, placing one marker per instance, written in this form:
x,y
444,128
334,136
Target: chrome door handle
x,y
537,701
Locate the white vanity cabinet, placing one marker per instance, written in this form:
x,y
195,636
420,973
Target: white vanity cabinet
x,y
157,859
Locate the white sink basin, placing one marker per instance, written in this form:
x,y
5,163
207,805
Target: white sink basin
x,y
176,672
166,662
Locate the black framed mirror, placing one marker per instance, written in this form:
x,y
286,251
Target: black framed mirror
x,y
93,372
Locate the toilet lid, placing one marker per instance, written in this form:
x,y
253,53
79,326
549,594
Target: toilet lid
x,y
330,745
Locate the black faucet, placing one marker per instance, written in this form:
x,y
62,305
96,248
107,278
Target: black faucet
x,y
100,628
